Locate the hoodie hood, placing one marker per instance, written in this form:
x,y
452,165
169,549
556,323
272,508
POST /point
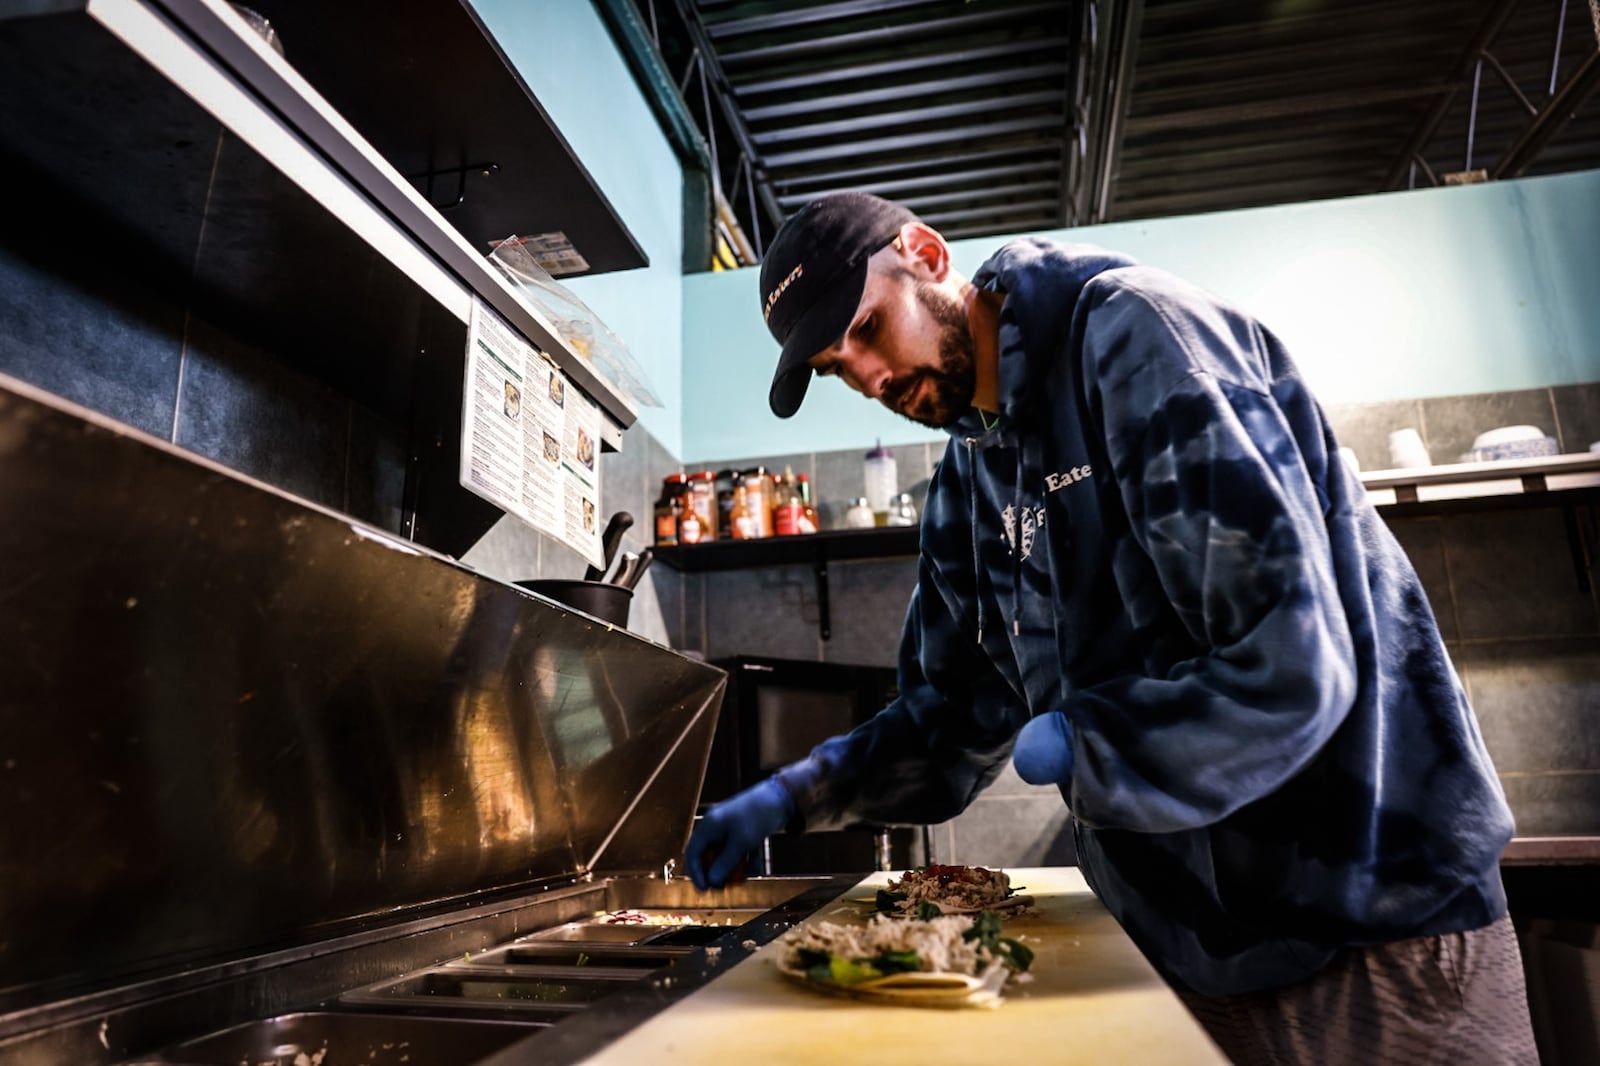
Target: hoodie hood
x,y
1046,278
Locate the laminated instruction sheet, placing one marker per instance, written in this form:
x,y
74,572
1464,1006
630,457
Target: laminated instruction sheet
x,y
529,444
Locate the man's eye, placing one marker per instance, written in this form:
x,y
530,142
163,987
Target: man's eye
x,y
868,327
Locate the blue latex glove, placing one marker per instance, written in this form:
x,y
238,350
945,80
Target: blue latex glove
x,y
1043,752
731,830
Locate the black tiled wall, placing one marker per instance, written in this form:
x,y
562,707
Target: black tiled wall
x,y
1512,590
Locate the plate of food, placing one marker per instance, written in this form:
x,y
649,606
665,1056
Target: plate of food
x,y
955,961
929,891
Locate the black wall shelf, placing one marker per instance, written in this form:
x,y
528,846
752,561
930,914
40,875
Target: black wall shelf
x,y
834,545
1564,481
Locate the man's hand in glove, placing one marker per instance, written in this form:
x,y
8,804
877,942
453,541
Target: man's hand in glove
x,y
731,830
1043,752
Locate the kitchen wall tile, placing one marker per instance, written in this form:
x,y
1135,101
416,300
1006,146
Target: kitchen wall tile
x,y
766,611
509,551
868,605
1421,539
1537,702
647,614
240,407
375,472
557,560
105,343
837,481
1554,804
1015,831
694,615
1577,416
668,586
1451,423
1512,576
1365,427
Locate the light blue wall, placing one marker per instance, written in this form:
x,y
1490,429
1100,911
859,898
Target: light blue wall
x,y
1404,295
564,52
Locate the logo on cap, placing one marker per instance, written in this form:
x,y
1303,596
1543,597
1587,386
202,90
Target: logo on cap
x,y
772,297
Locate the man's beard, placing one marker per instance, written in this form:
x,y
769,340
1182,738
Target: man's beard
x,y
950,385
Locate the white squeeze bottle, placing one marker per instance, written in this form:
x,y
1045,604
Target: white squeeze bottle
x,y
882,480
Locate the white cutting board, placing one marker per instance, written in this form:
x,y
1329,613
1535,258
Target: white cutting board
x,y
1093,999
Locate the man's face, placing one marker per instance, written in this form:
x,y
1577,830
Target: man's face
x,y
909,347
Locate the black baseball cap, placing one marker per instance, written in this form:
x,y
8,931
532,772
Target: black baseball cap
x,y
812,279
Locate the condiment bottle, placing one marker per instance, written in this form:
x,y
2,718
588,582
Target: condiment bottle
x,y
788,509
669,508
810,522
741,522
725,482
859,515
903,512
700,503
882,479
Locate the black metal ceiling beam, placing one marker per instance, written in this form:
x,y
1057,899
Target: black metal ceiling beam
x,y
896,188
818,179
794,18
997,211
1126,24
850,127
922,90
863,71
1036,189
897,36
1551,117
1256,110
1464,66
913,142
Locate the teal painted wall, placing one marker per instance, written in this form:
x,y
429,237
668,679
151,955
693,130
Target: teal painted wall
x,y
1407,295
564,52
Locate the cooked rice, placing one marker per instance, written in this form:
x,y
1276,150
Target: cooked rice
x,y
938,942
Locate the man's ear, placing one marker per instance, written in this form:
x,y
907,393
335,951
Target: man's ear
x,y
924,251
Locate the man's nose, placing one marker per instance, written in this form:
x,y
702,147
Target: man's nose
x,y
866,373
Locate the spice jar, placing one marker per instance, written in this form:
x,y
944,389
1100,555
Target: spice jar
x,y
699,521
758,499
859,515
903,512
724,481
669,508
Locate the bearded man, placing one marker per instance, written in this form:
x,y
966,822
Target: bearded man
x,y
1147,578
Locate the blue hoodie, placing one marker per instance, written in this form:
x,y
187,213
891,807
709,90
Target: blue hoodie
x,y
1270,754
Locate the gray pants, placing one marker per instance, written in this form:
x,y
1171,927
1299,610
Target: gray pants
x,y
1452,1000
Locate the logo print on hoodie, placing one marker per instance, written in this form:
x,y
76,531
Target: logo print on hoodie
x,y
1032,520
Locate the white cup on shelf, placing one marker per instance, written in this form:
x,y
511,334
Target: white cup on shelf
x,y
1406,449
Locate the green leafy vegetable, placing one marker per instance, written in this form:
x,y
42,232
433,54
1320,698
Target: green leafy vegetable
x,y
888,902
986,929
896,961
928,909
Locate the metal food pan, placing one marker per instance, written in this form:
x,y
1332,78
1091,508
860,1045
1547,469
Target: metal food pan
x,y
577,954
500,989
347,1040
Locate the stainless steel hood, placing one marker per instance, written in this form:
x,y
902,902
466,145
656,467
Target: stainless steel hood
x,y
232,722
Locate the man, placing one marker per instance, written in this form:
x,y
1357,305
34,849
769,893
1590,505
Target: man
x,y
1148,579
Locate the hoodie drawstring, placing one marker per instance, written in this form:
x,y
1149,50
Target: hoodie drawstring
x,y
972,518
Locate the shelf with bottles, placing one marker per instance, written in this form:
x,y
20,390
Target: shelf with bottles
x,y
830,545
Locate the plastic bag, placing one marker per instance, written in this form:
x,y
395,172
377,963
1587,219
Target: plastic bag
x,y
578,326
